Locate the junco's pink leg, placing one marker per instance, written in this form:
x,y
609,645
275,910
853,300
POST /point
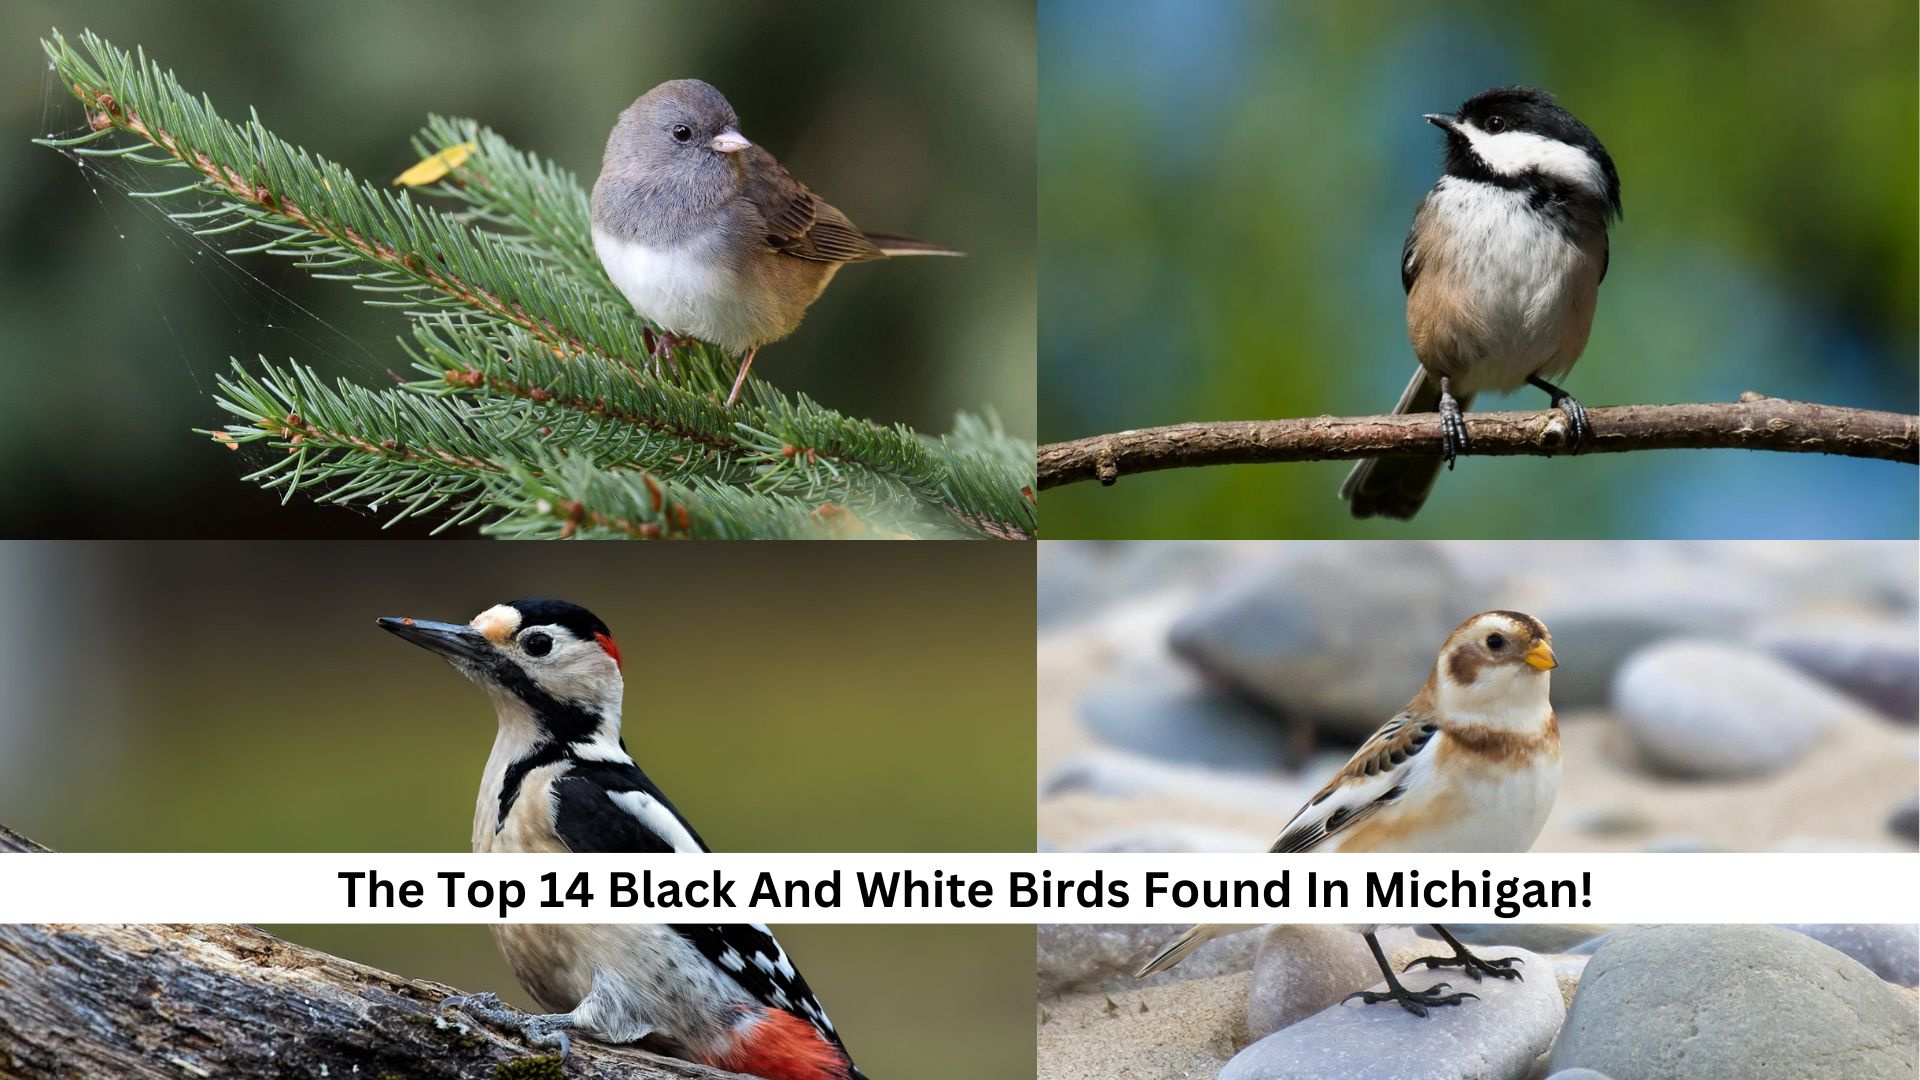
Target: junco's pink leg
x,y
740,380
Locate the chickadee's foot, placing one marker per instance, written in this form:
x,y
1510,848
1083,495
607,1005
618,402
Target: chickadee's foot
x,y
546,1032
1578,429
1414,1001
1453,426
1472,966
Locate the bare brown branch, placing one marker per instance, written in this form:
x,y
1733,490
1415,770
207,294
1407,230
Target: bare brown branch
x,y
173,1002
1754,422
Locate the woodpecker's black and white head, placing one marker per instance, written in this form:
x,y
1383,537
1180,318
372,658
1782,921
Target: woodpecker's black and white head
x,y
1516,137
550,667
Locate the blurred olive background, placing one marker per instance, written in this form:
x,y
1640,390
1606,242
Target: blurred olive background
x,y
911,118
238,697
1225,186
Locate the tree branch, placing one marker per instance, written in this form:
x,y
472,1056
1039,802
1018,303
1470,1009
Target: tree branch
x,y
1755,422
173,1002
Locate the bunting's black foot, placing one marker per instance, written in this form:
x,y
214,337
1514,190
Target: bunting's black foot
x,y
1414,1001
1475,968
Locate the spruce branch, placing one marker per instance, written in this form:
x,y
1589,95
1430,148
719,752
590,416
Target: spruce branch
x,y
1755,422
538,409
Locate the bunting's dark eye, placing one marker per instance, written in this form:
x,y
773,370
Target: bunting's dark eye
x,y
1496,642
681,133
1496,124
537,644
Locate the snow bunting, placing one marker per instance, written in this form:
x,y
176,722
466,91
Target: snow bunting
x,y
1471,764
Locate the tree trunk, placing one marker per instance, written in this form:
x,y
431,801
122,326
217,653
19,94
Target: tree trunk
x,y
97,1002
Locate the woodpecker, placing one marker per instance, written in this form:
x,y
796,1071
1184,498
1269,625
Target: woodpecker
x,y
560,779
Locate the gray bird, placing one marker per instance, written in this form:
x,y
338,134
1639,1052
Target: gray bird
x,y
708,236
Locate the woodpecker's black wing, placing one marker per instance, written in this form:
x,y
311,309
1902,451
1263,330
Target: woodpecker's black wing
x,y
607,806
756,961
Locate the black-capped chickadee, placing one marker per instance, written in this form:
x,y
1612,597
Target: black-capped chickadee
x,y
1502,270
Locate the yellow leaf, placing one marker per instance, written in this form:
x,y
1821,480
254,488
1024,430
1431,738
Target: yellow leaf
x,y
437,166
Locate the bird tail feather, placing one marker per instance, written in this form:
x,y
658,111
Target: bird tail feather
x,y
1182,947
1398,487
895,244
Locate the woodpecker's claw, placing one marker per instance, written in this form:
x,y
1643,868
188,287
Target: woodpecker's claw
x,y
546,1032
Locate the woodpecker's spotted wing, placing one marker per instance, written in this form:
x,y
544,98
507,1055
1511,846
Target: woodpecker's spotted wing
x,y
606,806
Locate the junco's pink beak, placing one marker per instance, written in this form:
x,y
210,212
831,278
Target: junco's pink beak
x,y
730,141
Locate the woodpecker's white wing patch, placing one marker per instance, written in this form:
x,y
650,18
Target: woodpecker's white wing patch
x,y
657,819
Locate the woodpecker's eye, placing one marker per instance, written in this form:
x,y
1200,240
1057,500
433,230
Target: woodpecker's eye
x,y
1496,642
681,133
537,644
1496,124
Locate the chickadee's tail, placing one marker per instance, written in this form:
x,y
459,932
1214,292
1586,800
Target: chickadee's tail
x,y
895,244
1181,947
1397,487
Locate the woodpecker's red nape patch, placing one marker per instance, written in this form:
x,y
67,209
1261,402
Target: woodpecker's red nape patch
x,y
606,642
778,1045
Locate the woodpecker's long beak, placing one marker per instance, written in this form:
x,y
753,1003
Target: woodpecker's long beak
x,y
451,640
1444,122
1541,656
730,141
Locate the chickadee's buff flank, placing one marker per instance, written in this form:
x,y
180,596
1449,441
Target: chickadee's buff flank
x,y
559,779
1471,764
1502,270
708,236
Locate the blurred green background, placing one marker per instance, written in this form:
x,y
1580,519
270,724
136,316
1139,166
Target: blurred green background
x,y
238,697
1225,185
911,118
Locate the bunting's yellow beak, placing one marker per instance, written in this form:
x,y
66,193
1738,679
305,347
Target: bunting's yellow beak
x,y
1541,656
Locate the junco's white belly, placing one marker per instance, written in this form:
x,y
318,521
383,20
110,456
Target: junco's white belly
x,y
1519,291
691,289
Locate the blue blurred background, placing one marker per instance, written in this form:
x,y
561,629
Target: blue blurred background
x,y
1225,185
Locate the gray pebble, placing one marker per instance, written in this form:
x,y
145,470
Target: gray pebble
x,y
1344,633
1497,1037
1702,708
1888,950
1754,1002
1873,659
1302,969
1169,712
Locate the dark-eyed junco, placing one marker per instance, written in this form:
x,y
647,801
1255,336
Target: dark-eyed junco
x,y
707,235
1502,270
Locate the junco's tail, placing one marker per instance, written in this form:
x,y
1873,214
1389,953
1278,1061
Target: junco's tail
x,y
1181,947
1396,487
895,244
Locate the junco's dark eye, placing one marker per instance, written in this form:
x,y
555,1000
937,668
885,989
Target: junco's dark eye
x,y
1496,642
681,133
1496,124
537,644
